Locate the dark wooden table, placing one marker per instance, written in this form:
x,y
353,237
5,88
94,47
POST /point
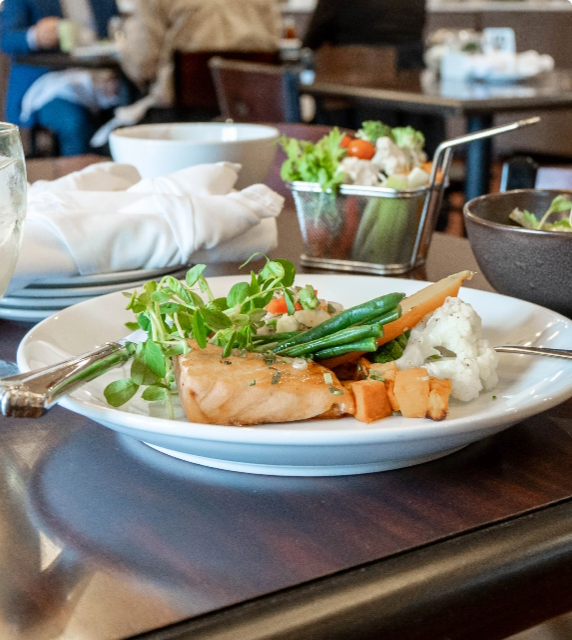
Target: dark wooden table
x,y
419,92
104,538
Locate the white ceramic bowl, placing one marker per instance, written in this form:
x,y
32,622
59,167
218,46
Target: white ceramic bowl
x,y
158,149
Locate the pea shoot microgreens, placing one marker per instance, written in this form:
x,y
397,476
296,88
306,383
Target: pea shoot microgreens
x,y
171,312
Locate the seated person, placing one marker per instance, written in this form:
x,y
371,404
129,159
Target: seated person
x,y
158,28
67,108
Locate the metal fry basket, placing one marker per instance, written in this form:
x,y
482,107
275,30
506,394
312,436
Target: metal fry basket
x,y
377,230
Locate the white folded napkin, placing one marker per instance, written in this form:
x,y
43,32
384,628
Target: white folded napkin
x,y
105,219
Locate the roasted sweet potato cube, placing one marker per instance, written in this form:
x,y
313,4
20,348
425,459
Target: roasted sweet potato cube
x,y
439,392
383,367
371,401
411,390
389,377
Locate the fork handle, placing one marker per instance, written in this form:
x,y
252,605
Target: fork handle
x,y
536,351
30,395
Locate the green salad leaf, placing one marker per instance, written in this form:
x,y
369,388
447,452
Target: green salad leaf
x,y
524,218
408,138
308,162
528,220
373,129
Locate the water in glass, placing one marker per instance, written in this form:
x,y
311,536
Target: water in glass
x,y
12,201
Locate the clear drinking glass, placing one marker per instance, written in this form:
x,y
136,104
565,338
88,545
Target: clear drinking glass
x,y
13,186
12,200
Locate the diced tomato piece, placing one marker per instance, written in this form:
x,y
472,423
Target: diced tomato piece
x,y
298,306
362,149
277,306
345,143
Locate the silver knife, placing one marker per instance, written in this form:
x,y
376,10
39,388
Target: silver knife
x,y
32,394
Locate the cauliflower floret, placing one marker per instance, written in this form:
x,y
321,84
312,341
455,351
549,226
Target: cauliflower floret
x,y
389,157
448,344
417,178
362,172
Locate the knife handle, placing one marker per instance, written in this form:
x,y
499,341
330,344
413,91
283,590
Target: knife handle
x,y
30,395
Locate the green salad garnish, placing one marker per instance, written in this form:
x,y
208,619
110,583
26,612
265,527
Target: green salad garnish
x,y
528,220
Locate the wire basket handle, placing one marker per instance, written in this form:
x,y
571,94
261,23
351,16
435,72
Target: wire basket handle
x,y
440,171
442,155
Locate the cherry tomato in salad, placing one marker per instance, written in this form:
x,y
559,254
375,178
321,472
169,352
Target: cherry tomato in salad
x,y
362,149
346,140
278,306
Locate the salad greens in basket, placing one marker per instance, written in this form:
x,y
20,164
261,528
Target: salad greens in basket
x,y
366,227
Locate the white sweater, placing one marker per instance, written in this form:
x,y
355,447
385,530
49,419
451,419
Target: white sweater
x,y
157,28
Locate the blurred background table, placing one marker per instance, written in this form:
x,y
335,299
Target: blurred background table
x,y
105,538
414,92
58,61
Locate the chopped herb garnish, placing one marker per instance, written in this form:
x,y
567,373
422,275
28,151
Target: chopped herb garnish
x,y
335,391
227,362
494,397
375,376
307,297
276,377
331,309
269,357
328,378
251,383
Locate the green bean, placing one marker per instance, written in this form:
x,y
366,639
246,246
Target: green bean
x,y
367,344
345,319
341,337
274,337
392,350
385,318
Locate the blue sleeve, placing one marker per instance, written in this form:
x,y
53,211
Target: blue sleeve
x,y
15,20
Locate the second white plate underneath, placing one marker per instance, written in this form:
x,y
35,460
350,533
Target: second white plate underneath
x,y
107,278
87,291
26,315
55,304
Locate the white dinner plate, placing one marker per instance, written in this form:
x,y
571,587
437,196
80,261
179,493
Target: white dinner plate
x,y
89,291
106,278
55,304
527,385
25,315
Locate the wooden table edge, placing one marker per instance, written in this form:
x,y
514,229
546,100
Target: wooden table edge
x,y
459,587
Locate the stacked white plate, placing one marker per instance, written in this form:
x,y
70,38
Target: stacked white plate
x,y
43,298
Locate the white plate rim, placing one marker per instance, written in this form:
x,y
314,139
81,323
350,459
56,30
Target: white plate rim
x,y
115,277
88,290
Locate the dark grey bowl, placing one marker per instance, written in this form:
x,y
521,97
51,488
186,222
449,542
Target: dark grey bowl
x,y
527,264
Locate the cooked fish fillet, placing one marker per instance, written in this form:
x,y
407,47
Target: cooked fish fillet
x,y
247,390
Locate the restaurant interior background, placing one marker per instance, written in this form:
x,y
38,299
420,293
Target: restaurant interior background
x,y
542,25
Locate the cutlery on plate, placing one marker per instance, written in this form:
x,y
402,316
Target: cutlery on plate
x,y
32,394
535,351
